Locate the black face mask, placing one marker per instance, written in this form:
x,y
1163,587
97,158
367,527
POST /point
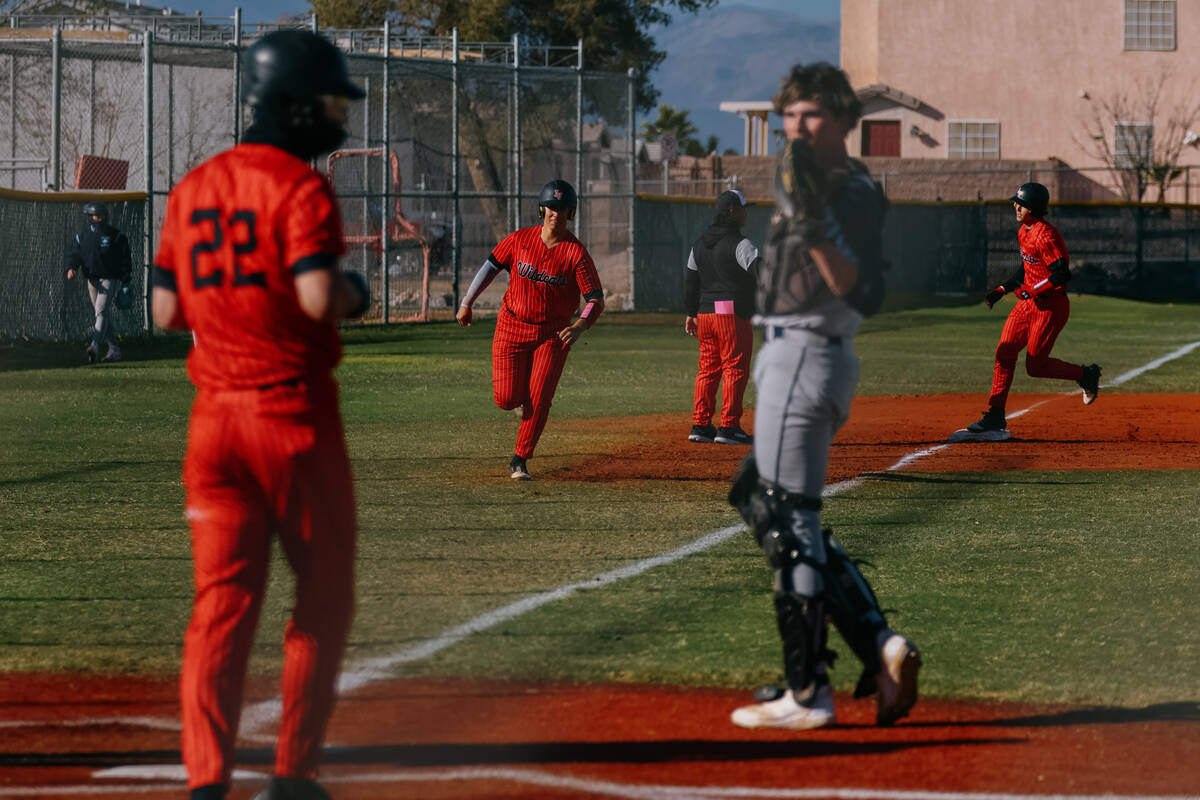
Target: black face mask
x,y
302,129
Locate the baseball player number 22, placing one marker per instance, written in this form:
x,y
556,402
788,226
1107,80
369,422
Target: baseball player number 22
x,y
241,217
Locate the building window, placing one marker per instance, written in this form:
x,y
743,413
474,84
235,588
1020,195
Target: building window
x,y
974,139
1149,24
1132,143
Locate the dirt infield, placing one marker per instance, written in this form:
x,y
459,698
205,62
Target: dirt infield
x,y
76,736
1130,431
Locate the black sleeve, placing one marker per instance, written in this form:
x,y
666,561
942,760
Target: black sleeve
x,y
125,258
1015,281
315,261
164,278
597,294
495,262
1060,272
691,293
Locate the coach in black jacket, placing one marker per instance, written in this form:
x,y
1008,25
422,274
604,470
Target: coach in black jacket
x,y
102,253
719,300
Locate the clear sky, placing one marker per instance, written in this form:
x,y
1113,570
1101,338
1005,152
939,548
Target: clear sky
x,y
267,10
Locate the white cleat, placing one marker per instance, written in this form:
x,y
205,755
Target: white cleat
x,y
787,713
897,680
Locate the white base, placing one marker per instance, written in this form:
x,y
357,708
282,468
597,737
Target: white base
x,y
964,435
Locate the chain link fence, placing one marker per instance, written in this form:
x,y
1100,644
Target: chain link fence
x,y
446,156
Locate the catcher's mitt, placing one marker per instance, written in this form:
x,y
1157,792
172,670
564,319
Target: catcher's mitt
x,y
800,189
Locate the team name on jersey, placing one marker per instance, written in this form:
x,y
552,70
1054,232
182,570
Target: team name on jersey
x,y
1028,259
526,270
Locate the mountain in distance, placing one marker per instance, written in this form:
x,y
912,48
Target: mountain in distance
x,y
733,53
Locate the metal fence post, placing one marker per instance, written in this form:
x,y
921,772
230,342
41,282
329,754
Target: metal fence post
x,y
456,224
631,123
579,131
515,189
148,161
386,166
170,124
91,107
237,76
56,110
12,118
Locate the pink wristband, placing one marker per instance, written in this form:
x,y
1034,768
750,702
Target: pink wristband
x,y
588,309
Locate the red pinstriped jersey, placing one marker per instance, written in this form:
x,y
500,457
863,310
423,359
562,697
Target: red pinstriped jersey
x,y
544,284
238,229
1041,245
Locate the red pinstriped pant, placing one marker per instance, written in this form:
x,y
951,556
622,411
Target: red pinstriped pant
x,y
726,342
1033,324
527,361
263,462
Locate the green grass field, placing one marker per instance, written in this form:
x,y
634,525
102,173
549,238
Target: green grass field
x,y
1065,586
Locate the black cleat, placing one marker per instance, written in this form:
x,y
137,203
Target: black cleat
x,y
293,789
704,434
1090,383
519,470
733,436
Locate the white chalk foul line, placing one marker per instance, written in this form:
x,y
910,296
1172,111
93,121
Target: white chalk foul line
x,y
626,791
1155,364
371,670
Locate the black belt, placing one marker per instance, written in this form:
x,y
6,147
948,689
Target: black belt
x,y
778,330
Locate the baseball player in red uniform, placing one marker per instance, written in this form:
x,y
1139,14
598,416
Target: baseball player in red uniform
x,y
719,301
1036,320
548,269
248,262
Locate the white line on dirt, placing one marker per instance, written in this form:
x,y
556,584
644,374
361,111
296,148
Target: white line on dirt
x,y
627,791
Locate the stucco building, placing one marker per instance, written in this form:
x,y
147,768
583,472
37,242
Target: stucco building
x,y
1006,81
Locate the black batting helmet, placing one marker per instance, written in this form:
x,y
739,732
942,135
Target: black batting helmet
x,y
558,194
1033,196
95,209
294,65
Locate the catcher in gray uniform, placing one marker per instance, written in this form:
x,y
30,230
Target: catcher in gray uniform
x,y
821,273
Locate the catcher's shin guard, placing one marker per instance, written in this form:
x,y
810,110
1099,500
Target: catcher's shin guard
x,y
801,622
854,610
795,550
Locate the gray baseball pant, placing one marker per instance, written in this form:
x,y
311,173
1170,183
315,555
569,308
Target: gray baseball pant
x,y
102,291
805,383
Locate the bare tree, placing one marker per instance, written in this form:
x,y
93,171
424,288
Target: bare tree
x,y
1140,134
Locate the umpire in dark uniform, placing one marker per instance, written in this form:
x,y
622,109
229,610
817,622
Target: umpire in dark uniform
x,y
102,253
719,300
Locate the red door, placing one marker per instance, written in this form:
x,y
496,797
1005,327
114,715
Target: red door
x,y
881,138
